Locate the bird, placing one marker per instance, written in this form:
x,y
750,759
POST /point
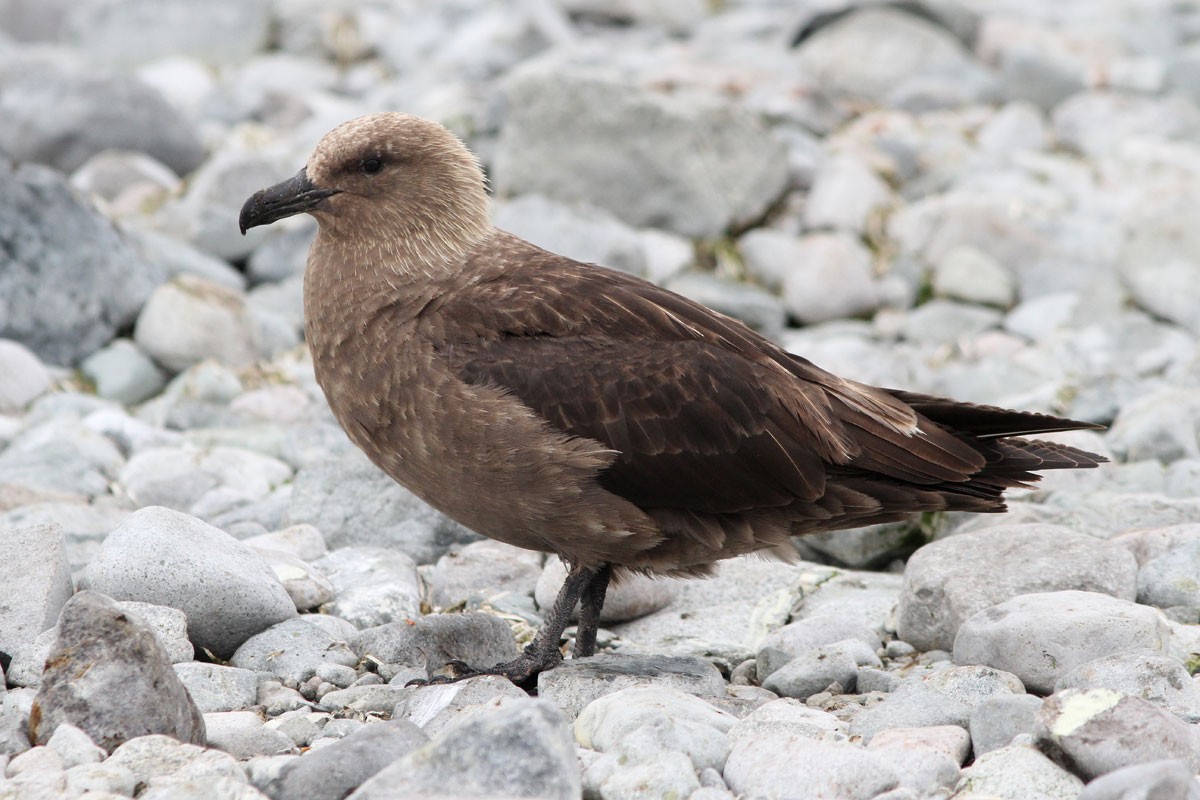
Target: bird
x,y
574,409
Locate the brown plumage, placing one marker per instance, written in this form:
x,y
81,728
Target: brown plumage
x,y
573,409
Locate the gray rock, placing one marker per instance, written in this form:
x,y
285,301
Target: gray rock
x,y
759,309
971,275
30,660
15,707
998,719
684,723
477,754
242,735
579,231
766,766
62,456
1040,637
192,319
435,706
1169,777
25,377
121,371
429,642
60,115
1018,772
180,257
576,683
292,650
481,570
635,596
1096,731
55,241
1014,128
191,479
786,716
1039,72
833,277
109,676
100,778
307,587
924,771
168,558
38,580
814,672
950,741
806,635
947,581
1154,677
681,162
169,626
74,746
1162,424
844,195
869,598
1097,122
302,541
372,586
282,255
126,183
333,772
946,322
352,502
136,31
155,758
1171,579
770,254
1166,289
217,688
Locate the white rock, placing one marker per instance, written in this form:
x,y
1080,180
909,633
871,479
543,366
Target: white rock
x,y
25,377
766,766
1018,772
832,278
844,195
37,575
191,319
968,274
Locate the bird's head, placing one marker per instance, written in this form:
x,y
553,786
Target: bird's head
x,y
398,175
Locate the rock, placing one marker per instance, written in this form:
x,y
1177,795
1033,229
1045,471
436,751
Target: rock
x,y
242,735
54,241
60,115
74,746
97,779
844,195
786,716
292,650
770,254
867,598
283,255
1154,677
29,661
217,688
180,257
1096,731
481,570
950,741
1040,637
476,756
333,772
1163,424
576,683
831,278
169,626
307,587
128,33
372,586
635,596
925,771
805,635
190,479
759,309
918,50
1018,772
168,558
681,162
765,766
191,319
686,724
1166,289
302,541
814,672
156,759
125,184
435,706
38,580
25,377
121,371
945,322
63,456
967,274
947,581
109,676
430,642
352,502
1095,123
1015,127
998,719
579,231
1169,777
220,788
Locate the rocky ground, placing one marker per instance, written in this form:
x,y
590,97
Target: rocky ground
x,y
993,200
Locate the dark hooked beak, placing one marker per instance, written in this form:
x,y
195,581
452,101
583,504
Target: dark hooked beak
x,y
294,196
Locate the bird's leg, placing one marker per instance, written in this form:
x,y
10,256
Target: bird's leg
x,y
542,653
591,601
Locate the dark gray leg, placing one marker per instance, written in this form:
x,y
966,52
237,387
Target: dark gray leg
x,y
591,601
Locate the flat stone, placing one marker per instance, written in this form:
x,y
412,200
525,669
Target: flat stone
x,y
38,577
109,676
575,683
430,642
635,596
167,558
947,581
1096,731
435,706
766,766
1040,637
998,719
218,688
476,756
1018,772
242,735
333,772
292,650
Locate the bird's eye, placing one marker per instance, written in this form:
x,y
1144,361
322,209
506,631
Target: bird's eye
x,y
371,166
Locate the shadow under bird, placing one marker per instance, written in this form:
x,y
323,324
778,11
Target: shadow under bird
x,y
573,409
